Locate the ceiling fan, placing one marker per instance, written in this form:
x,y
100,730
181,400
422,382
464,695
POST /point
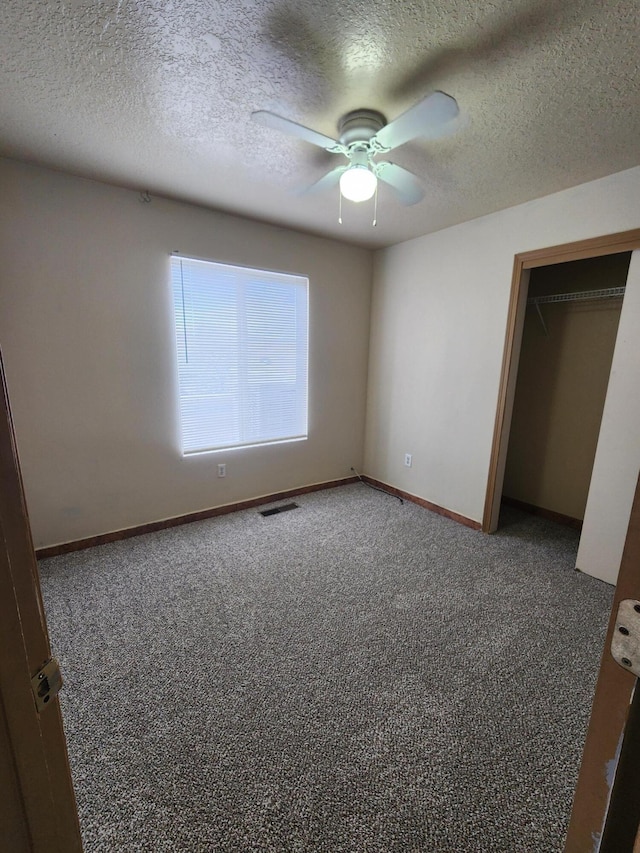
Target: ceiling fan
x,y
363,135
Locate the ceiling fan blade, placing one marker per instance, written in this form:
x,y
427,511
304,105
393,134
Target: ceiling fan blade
x,y
428,117
285,125
326,182
405,183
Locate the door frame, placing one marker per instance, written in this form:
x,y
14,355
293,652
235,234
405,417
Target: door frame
x,y
524,262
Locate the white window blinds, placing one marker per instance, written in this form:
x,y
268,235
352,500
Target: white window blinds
x,y
242,354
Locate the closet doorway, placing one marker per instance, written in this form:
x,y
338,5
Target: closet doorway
x,y
568,338
618,456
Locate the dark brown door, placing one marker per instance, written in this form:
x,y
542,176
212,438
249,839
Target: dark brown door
x,y
38,811
606,808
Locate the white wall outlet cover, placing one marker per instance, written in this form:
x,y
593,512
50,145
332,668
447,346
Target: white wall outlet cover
x,y
407,460
222,469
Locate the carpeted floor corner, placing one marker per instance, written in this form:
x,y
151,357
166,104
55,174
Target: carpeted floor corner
x,y
354,675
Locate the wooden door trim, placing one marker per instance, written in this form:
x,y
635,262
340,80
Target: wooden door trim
x,y
505,371
595,247
609,714
609,244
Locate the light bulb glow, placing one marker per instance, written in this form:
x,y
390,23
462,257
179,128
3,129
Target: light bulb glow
x,y
358,183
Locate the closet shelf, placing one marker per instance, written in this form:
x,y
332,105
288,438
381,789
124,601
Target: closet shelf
x,y
604,293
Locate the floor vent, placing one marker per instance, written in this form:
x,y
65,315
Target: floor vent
x,y
276,509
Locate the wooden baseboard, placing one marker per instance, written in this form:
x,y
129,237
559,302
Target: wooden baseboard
x,y
152,527
439,510
558,517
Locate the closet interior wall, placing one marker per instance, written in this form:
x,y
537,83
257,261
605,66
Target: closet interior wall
x,y
561,387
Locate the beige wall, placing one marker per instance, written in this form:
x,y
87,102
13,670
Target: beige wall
x,y
439,315
86,333
562,384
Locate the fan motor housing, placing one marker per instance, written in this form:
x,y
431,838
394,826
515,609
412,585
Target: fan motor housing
x,y
360,126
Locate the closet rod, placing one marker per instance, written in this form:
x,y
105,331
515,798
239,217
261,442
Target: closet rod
x,y
604,293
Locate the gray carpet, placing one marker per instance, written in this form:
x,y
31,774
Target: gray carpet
x,y
354,675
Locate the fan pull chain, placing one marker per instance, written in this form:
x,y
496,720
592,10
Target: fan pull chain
x,y
340,208
375,208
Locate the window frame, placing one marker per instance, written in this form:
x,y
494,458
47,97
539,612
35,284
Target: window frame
x,y
292,316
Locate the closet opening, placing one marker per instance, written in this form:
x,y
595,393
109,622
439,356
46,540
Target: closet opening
x,y
613,478
568,339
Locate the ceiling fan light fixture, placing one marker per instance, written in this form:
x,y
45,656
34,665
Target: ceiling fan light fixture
x,y
358,183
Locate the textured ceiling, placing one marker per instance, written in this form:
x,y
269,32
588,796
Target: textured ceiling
x,y
157,95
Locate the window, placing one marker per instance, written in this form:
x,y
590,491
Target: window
x,y
242,354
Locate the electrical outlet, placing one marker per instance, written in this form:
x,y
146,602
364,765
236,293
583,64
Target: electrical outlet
x,y
407,460
222,469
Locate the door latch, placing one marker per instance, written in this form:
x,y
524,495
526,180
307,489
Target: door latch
x,y
625,643
46,683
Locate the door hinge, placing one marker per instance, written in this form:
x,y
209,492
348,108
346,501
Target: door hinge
x,y
46,683
625,643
